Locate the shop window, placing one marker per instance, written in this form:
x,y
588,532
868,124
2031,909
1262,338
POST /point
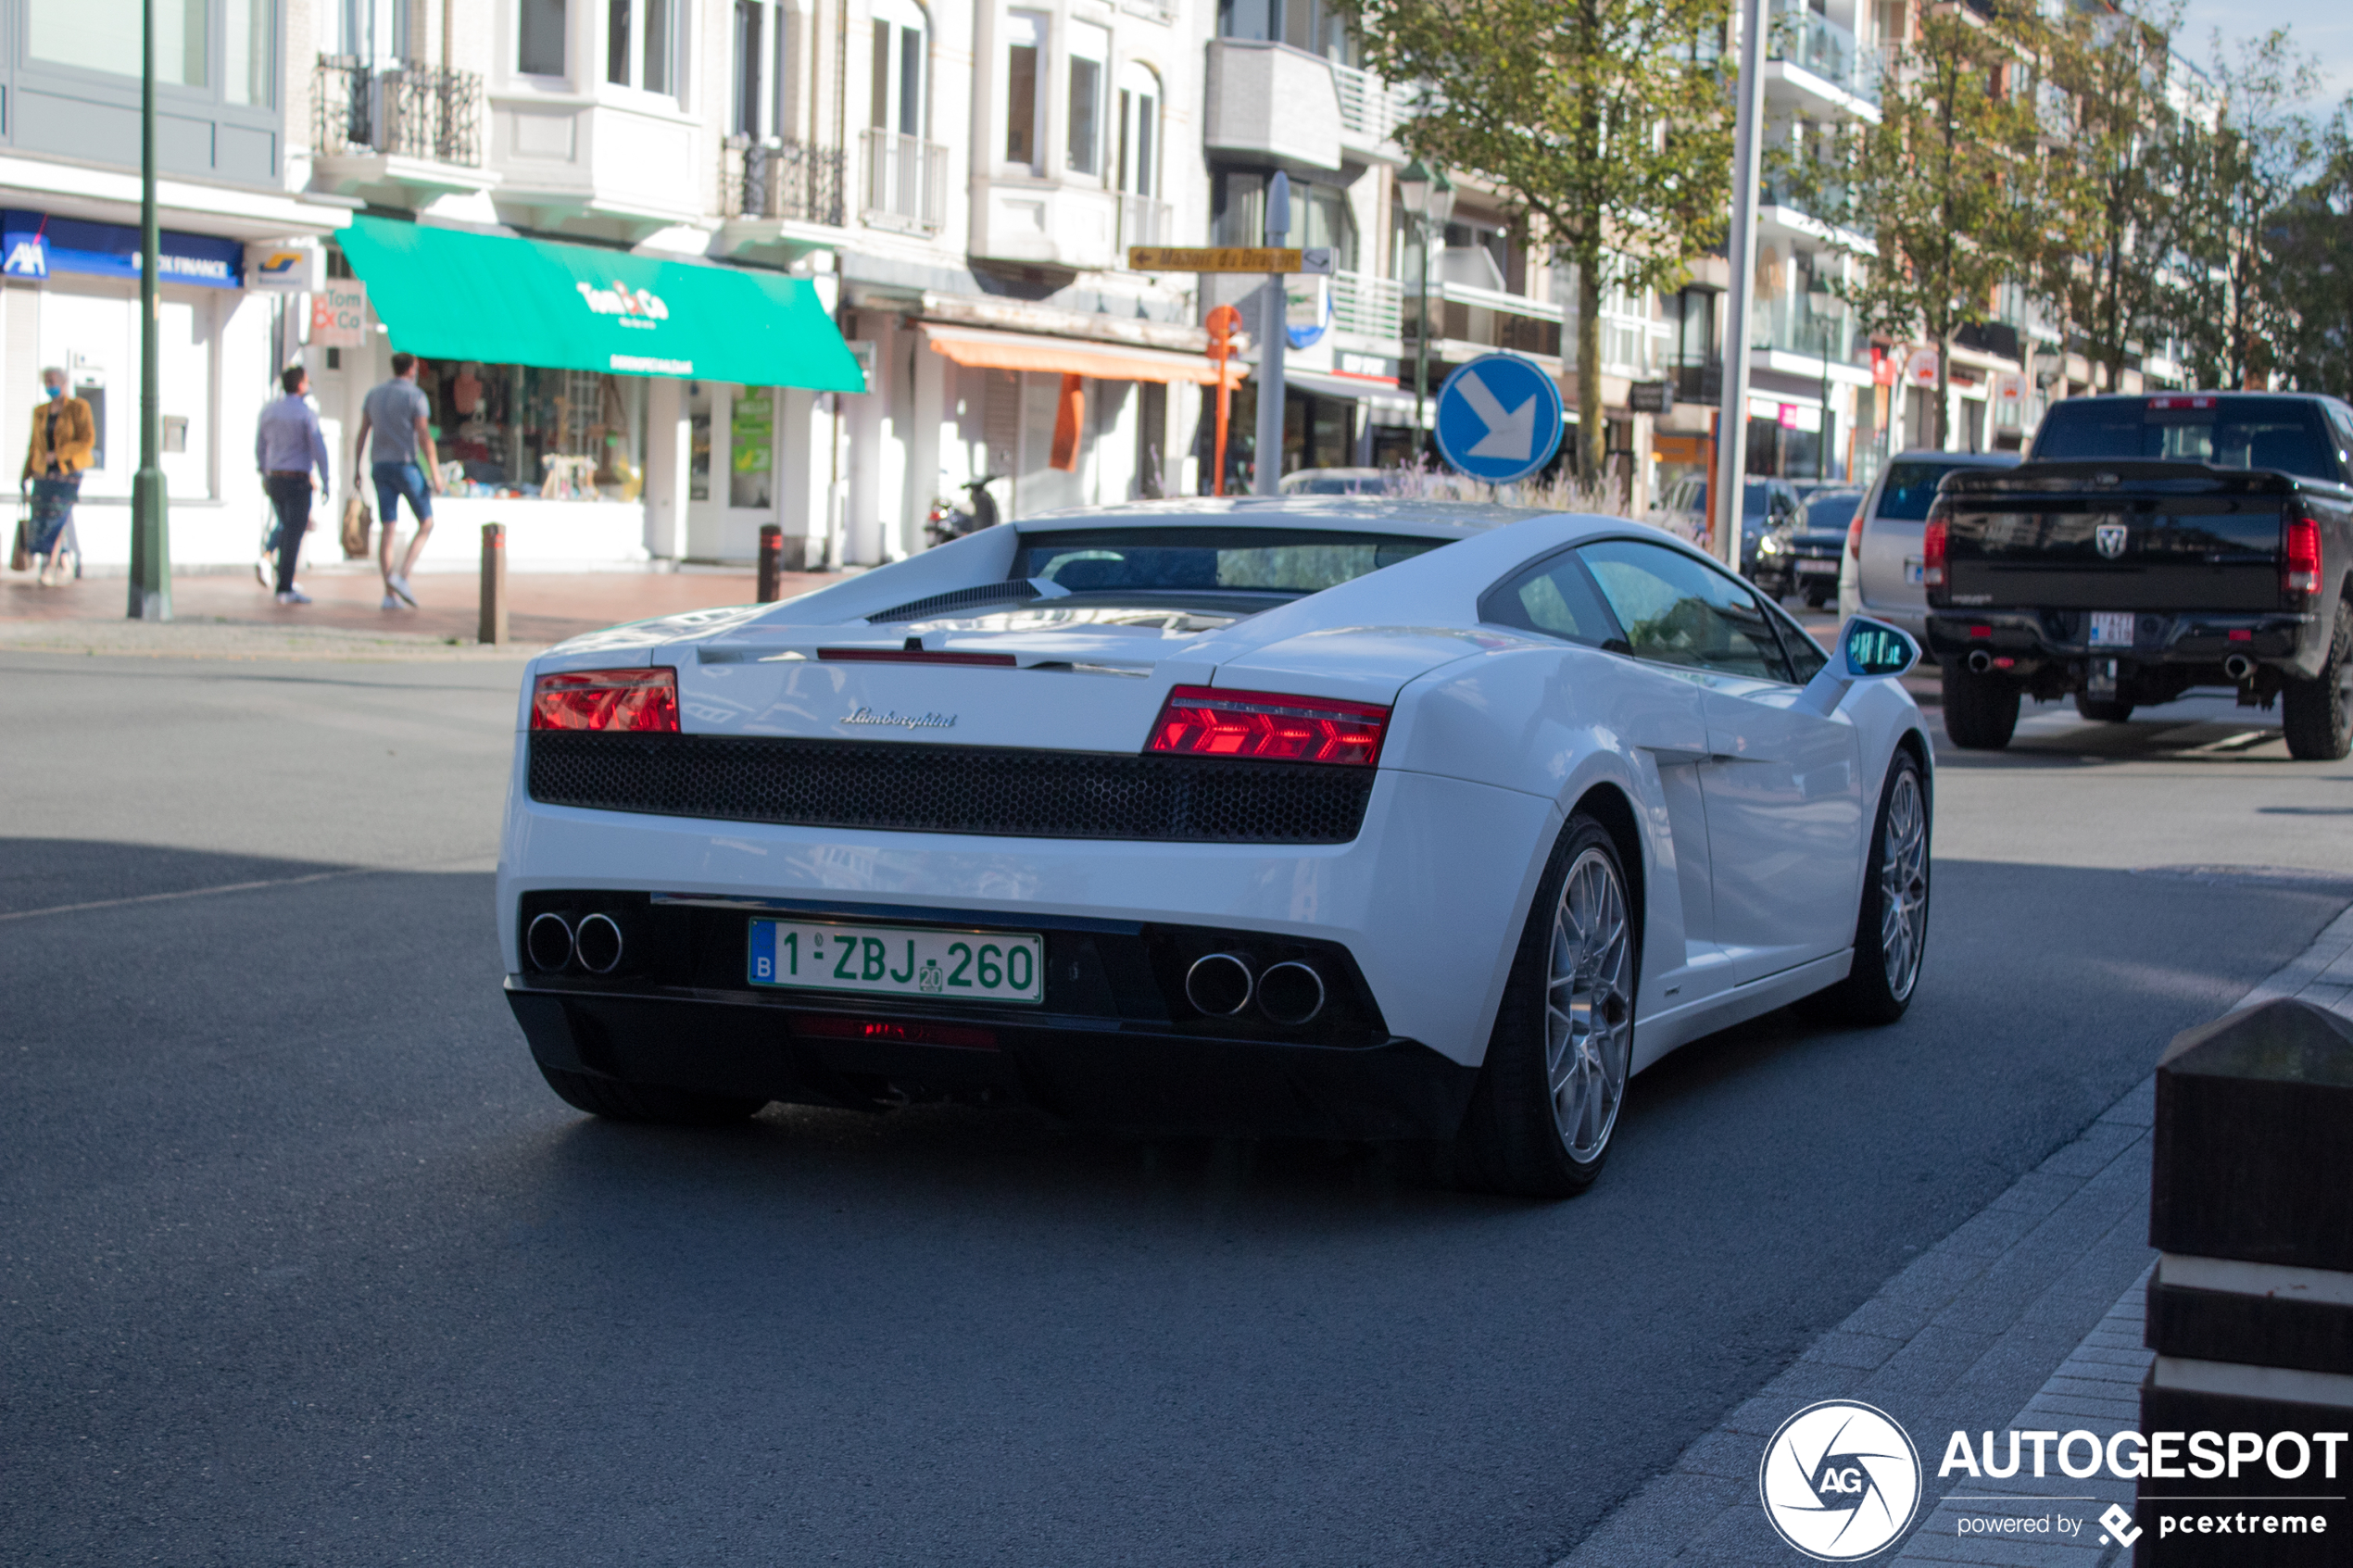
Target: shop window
x,y
1138,154
539,34
641,44
751,448
1024,79
517,431
1089,51
107,35
902,50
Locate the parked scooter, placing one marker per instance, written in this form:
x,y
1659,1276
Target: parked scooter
x,y
949,520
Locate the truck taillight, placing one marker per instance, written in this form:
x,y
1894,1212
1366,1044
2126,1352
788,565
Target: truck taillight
x,y
1932,545
641,701
1203,722
2300,557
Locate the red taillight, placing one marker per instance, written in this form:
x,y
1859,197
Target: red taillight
x,y
2300,557
1854,538
606,699
1200,721
1933,539
2181,402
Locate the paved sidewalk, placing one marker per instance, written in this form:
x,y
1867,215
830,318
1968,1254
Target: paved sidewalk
x,y
2026,1317
541,607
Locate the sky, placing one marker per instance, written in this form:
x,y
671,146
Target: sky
x,y
2321,27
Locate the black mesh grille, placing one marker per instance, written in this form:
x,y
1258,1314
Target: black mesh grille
x,y
912,788
1018,591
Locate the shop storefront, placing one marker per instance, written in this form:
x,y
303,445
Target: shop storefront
x,y
575,388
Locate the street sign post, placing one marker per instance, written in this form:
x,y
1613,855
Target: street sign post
x,y
1499,419
1267,455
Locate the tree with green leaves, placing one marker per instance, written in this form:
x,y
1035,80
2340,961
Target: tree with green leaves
x,y
1949,185
1605,127
2310,241
2103,263
2234,167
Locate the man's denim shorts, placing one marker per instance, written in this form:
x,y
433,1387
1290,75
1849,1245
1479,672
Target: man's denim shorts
x,y
393,482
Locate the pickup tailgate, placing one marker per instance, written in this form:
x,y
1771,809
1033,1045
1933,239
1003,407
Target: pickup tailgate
x,y
2156,537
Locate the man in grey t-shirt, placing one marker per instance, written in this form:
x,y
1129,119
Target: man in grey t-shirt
x,y
399,417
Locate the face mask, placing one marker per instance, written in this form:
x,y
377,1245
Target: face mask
x,y
53,392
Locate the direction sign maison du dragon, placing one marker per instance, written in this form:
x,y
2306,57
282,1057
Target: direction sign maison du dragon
x,y
1228,258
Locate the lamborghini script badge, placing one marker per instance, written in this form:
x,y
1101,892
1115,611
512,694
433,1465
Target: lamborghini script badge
x,y
2109,536
890,719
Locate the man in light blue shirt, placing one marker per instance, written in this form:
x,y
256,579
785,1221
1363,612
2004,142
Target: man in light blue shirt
x,y
287,446
399,417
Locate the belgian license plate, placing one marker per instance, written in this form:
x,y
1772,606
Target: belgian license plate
x,y
1816,568
897,960
2111,629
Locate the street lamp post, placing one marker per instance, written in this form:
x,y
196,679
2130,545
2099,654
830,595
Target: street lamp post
x,y
150,536
1430,195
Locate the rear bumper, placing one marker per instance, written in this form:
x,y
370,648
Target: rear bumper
x,y
1079,1070
2053,648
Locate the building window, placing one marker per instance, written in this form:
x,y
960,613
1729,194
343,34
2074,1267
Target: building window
x,y
1089,51
902,50
1315,26
1138,154
750,17
1025,57
105,36
539,47
1319,215
641,44
519,432
250,54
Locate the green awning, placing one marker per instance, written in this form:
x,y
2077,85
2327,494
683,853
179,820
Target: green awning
x,y
447,294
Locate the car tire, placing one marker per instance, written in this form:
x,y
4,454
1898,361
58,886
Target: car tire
x,y
2317,713
1816,601
1981,712
1548,1096
1891,923
618,1100
2102,710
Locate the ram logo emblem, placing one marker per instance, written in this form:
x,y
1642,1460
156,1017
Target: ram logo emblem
x,y
2109,537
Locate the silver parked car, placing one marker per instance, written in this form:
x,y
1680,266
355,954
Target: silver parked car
x,y
1878,572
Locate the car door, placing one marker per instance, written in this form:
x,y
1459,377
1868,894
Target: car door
x,y
1660,714
1781,785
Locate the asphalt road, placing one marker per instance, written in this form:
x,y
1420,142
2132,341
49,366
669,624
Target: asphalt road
x,y
303,1265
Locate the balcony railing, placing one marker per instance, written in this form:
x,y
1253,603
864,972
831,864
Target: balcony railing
x,y
1825,202
906,182
402,110
1813,43
782,179
1799,326
1367,305
1143,221
1698,381
1486,317
1370,109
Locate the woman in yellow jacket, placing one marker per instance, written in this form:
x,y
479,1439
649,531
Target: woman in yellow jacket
x,y
63,440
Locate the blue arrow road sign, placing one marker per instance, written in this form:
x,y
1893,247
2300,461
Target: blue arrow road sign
x,y
1499,419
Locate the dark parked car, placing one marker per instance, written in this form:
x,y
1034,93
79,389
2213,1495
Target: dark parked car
x,y
1809,550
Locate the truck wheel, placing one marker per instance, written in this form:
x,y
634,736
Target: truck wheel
x,y
2102,712
2318,714
618,1101
1981,712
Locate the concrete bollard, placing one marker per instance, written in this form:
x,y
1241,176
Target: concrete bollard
x,y
494,584
771,562
2248,1408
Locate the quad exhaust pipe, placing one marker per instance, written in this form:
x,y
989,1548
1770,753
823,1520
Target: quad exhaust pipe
x,y
1223,984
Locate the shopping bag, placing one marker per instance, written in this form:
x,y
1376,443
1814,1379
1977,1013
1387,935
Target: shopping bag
x,y
20,553
357,519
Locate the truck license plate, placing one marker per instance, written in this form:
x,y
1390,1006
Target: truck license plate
x,y
2111,629
897,960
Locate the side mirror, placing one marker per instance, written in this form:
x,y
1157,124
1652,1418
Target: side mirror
x,y
1867,650
1873,649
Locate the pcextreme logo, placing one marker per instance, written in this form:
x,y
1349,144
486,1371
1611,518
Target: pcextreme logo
x,y
1840,1480
637,308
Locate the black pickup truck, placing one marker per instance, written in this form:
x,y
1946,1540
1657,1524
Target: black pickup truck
x,y
2147,545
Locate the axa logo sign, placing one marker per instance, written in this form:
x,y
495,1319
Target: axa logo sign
x,y
27,259
631,307
1840,1481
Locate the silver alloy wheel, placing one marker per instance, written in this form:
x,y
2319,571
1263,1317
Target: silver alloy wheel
x,y
1589,1006
1903,885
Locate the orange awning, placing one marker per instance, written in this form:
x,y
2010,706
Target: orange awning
x,y
979,348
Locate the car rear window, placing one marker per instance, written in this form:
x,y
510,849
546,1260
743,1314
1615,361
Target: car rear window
x,y
2281,433
1910,487
1238,560
1828,511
